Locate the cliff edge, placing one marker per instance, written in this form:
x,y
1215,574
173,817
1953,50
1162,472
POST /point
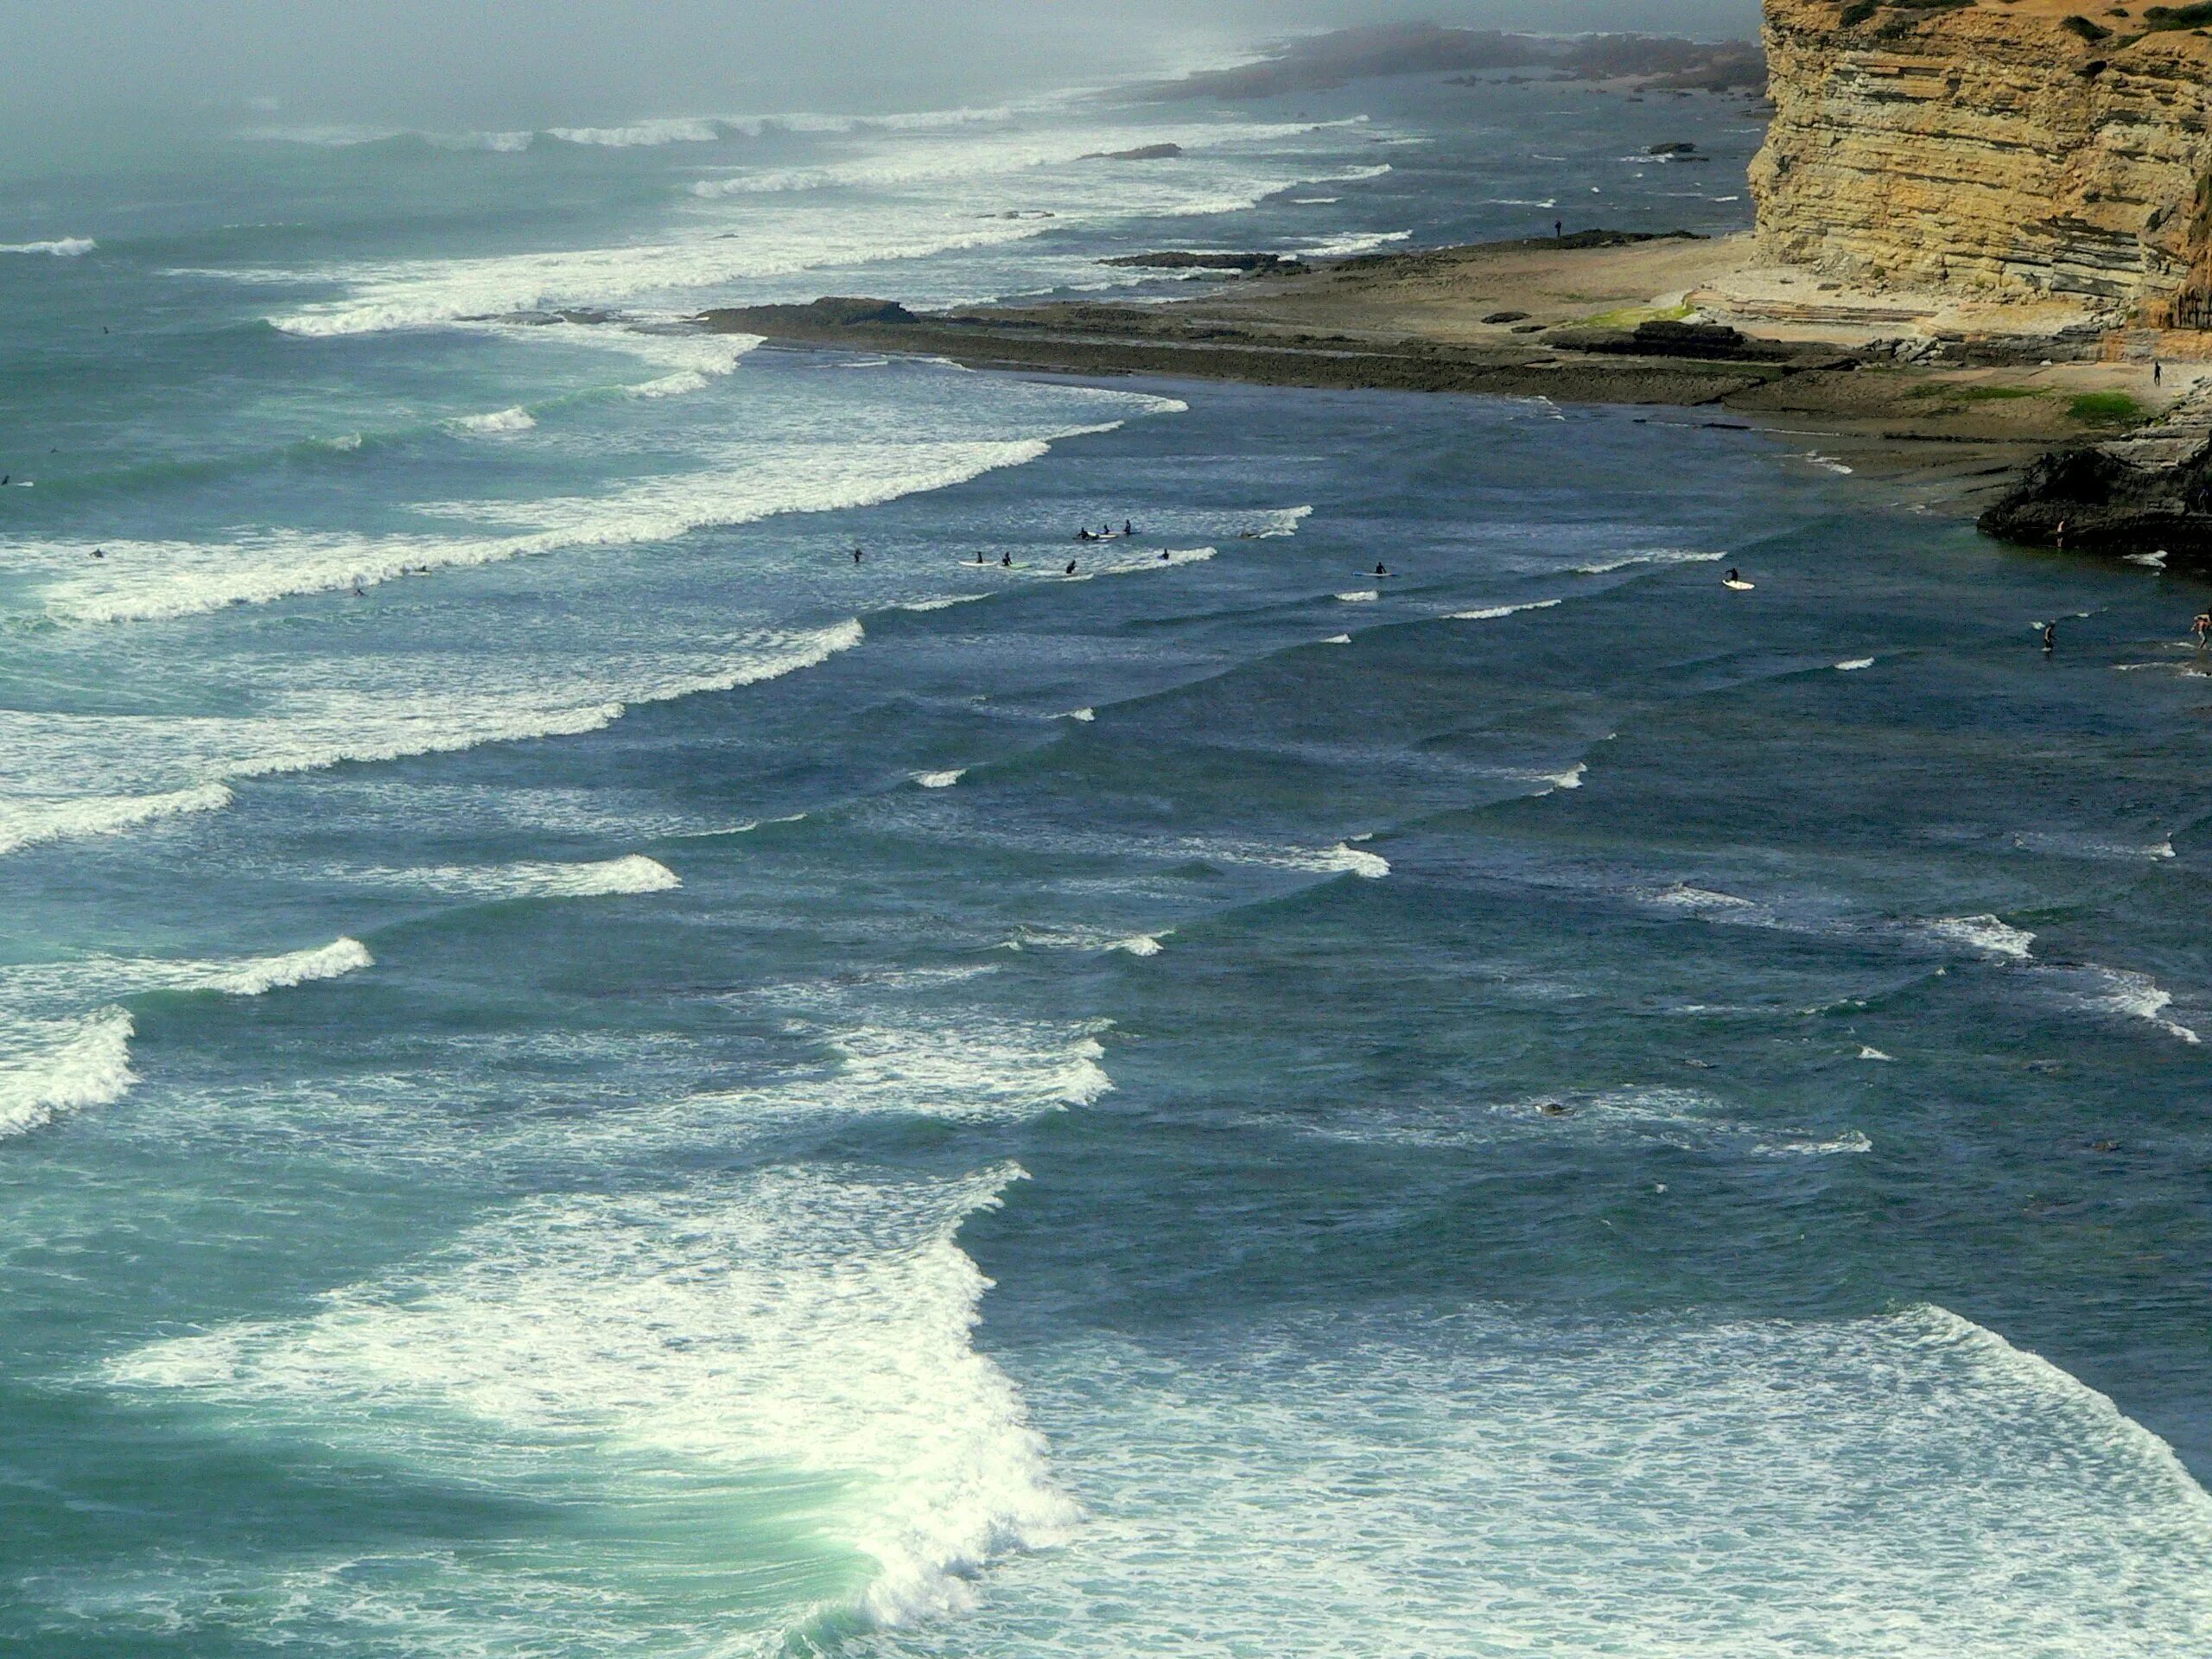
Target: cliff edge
x,y
2025,150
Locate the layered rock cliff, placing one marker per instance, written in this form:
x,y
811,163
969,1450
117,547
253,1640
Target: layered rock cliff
x,y
2018,149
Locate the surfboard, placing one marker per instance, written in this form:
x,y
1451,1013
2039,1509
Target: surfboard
x,y
1740,585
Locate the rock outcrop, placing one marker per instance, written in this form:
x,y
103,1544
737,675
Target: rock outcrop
x,y
2018,149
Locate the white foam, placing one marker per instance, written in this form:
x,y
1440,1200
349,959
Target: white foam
x,y
48,1067
63,1045
317,726
1983,934
1491,614
1337,639
66,247
1284,522
1142,945
940,779
793,1338
1868,1052
1356,242
1668,1487
2153,560
943,602
517,419
1855,664
613,877
1086,715
1361,597
27,820
1661,555
153,581
2129,995
1353,860
642,134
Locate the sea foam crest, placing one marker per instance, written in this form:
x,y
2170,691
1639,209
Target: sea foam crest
x,y
57,1055
64,247
753,1328
157,580
25,821
1656,555
54,1066
608,878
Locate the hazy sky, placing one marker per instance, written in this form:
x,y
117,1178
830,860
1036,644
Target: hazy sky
x,y
486,62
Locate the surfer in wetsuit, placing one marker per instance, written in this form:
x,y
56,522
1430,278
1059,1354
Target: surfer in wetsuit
x,y
1006,560
1379,569
1070,567
1085,535
1163,556
1129,528
2049,638
2203,628
856,556
1733,577
979,556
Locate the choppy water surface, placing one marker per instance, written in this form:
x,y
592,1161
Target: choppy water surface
x,y
582,1074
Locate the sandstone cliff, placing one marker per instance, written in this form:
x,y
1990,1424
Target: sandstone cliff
x,y
2018,149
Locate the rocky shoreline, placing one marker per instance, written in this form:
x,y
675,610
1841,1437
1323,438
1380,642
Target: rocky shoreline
x,y
1990,418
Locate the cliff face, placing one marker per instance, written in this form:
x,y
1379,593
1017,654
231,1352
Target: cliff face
x,y
2009,149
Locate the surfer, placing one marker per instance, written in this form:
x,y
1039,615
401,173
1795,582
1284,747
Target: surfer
x,y
99,554
1128,527
1085,535
1163,556
2203,628
1070,567
1379,569
1733,577
856,556
1006,560
979,556
2049,638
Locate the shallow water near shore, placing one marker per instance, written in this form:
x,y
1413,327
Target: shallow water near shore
x,y
582,1073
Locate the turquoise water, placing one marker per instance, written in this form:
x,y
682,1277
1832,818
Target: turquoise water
x,y
582,1074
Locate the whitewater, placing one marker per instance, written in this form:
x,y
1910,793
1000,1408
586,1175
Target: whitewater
x,y
632,1024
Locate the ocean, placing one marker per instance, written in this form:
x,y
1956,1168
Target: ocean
x,y
584,1073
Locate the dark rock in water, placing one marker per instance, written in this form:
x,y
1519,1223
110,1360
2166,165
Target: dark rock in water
x,y
2110,502
828,313
1183,261
1141,153
1529,328
1507,316
1672,149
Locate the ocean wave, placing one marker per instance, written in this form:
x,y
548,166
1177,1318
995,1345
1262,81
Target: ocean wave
x,y
47,1068
64,1046
1984,935
27,821
631,875
2119,992
1360,596
796,1323
966,158
1355,242
1491,614
66,247
1853,665
334,729
1657,556
139,581
517,419
644,135
940,779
